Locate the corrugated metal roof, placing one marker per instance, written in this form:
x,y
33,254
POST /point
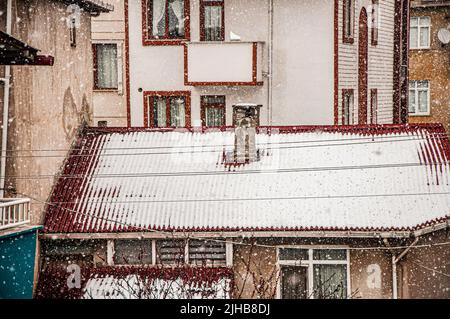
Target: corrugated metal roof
x,y
388,177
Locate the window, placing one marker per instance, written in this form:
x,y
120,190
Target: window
x,y
73,32
213,110
212,20
419,34
171,252
167,109
132,252
349,21
204,252
375,22
165,20
105,66
347,106
313,273
373,106
419,98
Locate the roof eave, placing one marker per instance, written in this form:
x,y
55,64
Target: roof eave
x,y
94,7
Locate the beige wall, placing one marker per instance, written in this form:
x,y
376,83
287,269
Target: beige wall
x,y
425,271
111,106
434,65
47,103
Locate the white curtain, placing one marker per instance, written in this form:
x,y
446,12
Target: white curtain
x,y
177,112
160,112
159,7
178,9
213,22
107,66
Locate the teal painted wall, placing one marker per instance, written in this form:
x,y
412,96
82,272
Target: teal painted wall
x,y
17,260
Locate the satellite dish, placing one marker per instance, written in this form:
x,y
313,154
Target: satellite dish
x,y
444,36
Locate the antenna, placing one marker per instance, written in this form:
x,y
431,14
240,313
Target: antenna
x,y
444,36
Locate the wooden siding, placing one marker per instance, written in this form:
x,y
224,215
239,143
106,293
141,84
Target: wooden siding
x,y
380,60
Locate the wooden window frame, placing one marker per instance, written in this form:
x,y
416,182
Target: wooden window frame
x,y
375,22
350,39
310,262
419,27
205,3
416,96
148,39
204,105
373,108
346,92
149,116
95,65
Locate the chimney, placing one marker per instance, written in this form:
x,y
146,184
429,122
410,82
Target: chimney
x,y
245,121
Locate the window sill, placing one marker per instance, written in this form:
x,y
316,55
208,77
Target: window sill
x,y
420,49
151,42
97,90
419,115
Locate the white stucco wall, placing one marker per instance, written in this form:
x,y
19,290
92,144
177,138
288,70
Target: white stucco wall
x,y
303,70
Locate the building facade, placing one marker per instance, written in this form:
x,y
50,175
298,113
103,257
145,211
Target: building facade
x,y
187,62
108,43
429,92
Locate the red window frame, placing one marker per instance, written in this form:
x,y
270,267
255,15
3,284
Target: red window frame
x,y
204,105
95,65
204,4
373,108
148,39
346,38
345,93
374,29
148,102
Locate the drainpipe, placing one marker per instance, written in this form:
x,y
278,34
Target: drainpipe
x,y
270,65
395,260
5,122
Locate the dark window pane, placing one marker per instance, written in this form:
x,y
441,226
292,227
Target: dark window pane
x,y
329,254
203,252
170,252
176,18
293,254
294,282
213,23
330,281
132,252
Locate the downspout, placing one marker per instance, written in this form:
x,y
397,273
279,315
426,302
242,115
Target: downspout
x,y
270,65
395,260
6,91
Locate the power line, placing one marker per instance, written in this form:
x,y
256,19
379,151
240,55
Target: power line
x,y
430,269
369,138
258,198
103,154
226,172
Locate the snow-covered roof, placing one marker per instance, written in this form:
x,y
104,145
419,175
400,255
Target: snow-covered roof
x,y
138,282
387,177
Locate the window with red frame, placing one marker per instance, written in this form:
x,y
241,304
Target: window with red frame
x,y
212,20
375,22
167,110
349,21
165,19
105,66
373,106
347,106
213,110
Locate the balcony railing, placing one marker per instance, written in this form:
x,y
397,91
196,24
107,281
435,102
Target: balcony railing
x,y
14,212
223,63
